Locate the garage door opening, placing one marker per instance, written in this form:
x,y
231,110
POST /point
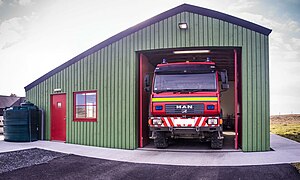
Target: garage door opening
x,y
225,58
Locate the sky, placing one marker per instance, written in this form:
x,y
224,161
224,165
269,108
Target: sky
x,y
36,36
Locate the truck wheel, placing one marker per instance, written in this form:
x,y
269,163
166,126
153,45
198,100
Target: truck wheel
x,y
160,141
215,142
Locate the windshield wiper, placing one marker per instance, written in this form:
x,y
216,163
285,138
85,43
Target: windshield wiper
x,y
164,90
176,90
200,90
170,90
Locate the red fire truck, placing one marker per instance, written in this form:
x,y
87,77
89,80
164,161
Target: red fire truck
x,y
185,102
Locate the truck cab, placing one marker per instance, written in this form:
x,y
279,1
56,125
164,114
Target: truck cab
x,y
185,102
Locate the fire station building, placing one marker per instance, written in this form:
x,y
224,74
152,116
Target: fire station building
x,y
97,98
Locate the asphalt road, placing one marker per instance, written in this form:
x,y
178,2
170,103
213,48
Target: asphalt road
x,y
63,166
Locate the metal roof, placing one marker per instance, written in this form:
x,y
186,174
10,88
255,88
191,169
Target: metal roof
x,y
8,101
164,15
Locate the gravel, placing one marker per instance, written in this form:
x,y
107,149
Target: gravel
x,y
10,161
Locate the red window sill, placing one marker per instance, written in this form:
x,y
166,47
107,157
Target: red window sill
x,y
85,120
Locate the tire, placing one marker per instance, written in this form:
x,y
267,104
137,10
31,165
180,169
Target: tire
x,y
215,142
160,141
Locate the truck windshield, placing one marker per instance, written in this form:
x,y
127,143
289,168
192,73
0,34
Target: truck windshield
x,y
185,82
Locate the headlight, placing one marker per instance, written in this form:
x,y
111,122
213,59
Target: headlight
x,y
212,121
156,121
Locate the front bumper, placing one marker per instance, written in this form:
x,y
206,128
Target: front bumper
x,y
181,122
186,130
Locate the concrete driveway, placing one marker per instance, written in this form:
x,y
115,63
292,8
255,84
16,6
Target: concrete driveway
x,y
285,151
42,164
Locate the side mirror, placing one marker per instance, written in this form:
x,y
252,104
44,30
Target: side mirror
x,y
224,79
147,83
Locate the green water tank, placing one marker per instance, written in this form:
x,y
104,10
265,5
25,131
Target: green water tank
x,y
21,123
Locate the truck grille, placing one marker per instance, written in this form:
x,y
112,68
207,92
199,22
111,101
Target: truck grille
x,y
184,109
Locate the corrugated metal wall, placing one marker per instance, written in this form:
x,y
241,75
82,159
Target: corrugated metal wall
x,y
113,72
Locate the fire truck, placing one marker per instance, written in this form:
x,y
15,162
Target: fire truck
x,y
185,102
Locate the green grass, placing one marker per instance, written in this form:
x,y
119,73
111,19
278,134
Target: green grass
x,y
290,131
287,126
297,166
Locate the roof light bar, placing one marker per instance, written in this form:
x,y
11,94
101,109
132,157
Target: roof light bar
x,y
192,52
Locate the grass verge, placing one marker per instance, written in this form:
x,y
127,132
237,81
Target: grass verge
x,y
290,131
287,126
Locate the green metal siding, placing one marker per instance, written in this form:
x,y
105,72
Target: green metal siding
x,y
113,72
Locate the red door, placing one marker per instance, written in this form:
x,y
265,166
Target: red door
x,y
58,117
145,67
236,100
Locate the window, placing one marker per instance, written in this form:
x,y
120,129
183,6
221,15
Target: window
x,y
85,106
